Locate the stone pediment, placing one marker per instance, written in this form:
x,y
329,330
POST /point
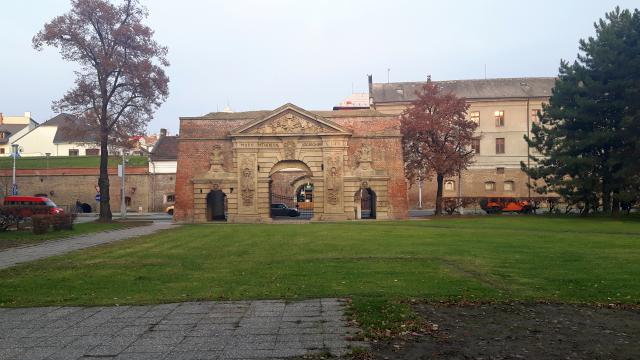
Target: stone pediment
x,y
290,120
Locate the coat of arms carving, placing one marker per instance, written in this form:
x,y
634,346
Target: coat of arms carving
x,y
289,124
289,149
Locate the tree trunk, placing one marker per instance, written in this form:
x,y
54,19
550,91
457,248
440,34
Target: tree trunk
x,y
615,206
103,180
440,180
606,196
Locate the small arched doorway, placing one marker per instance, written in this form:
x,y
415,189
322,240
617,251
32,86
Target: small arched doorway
x,y
216,206
365,203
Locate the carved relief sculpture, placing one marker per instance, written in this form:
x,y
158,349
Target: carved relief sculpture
x,y
364,154
364,159
247,183
333,180
289,149
216,160
289,124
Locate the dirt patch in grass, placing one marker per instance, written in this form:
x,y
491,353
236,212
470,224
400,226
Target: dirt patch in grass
x,y
519,331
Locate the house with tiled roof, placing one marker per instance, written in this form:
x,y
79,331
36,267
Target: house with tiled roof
x,y
62,135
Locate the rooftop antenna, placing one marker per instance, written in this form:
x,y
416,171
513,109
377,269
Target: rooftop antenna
x,y
485,71
388,72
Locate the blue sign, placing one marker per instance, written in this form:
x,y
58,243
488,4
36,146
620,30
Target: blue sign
x,y
14,189
98,197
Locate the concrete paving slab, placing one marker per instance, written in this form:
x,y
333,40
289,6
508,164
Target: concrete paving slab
x,y
202,330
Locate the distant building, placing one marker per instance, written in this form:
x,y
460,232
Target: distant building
x,y
353,102
62,135
162,171
504,109
13,127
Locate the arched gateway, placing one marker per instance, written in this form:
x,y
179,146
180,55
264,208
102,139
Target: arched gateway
x,y
329,157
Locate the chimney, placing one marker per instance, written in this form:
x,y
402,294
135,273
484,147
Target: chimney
x,y
371,104
1,119
163,132
27,114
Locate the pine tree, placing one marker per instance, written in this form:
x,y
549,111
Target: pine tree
x,y
588,137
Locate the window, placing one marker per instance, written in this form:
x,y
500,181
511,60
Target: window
x,y
449,185
509,186
475,116
127,201
499,114
2,151
500,170
2,135
475,145
74,152
534,115
171,198
92,152
499,145
490,186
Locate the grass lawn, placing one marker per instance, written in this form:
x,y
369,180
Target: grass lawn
x,y
489,258
10,239
68,162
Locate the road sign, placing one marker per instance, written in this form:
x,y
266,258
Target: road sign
x,y
14,189
119,170
98,197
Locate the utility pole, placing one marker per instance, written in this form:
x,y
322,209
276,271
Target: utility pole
x,y
420,193
14,186
123,204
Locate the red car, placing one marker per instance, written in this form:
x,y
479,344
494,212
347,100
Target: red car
x,y
27,201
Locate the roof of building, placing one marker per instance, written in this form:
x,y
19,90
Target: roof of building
x,y
11,129
469,89
252,115
70,130
166,148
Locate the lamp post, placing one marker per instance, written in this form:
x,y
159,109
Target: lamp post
x,y
14,186
123,204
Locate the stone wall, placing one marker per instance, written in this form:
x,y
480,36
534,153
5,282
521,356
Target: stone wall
x,y
67,185
473,185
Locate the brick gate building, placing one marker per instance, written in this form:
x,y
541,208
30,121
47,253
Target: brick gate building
x,y
226,163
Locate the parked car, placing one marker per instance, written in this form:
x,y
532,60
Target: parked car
x,y
283,210
169,210
498,205
25,205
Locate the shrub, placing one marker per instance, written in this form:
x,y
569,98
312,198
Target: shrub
x,y
62,221
41,223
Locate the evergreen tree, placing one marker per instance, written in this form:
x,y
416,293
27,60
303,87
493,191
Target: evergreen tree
x,y
588,137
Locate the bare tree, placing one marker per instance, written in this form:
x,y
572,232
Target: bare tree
x,y
121,81
437,137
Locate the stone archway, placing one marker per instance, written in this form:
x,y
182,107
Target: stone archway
x,y
284,191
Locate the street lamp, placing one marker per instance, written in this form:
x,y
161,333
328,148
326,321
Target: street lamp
x,y
14,154
123,204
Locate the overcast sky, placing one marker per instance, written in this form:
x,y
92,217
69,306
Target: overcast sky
x,y
261,54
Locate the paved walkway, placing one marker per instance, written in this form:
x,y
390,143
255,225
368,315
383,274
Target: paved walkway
x,y
204,330
14,256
